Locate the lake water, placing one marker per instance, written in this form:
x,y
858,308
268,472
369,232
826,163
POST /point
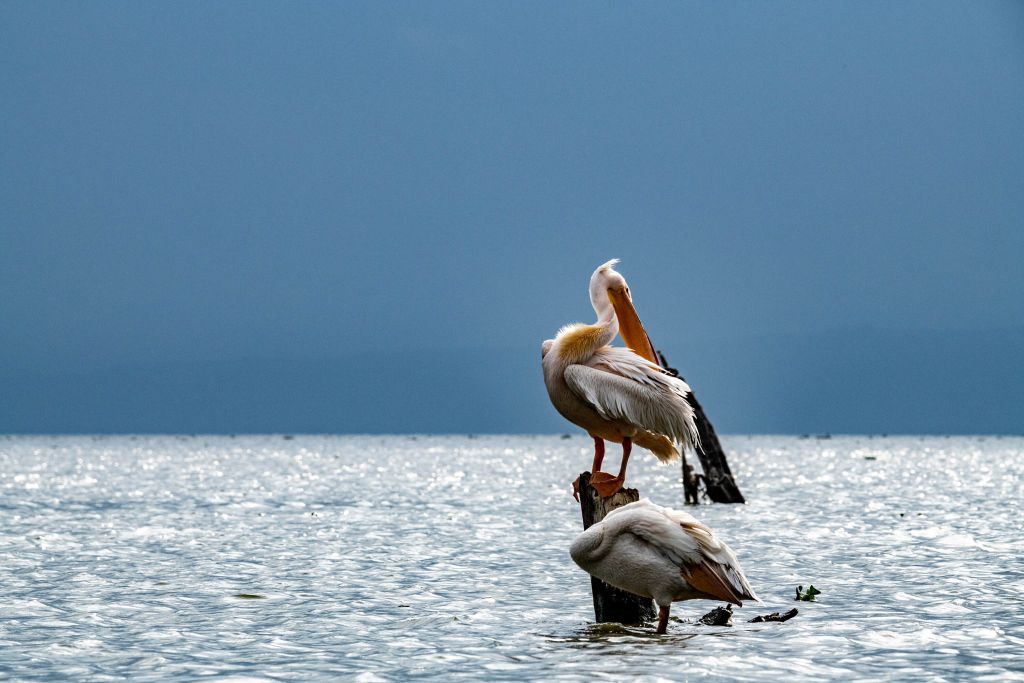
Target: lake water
x,y
387,558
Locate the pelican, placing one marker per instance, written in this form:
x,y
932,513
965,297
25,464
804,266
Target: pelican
x,y
616,394
662,554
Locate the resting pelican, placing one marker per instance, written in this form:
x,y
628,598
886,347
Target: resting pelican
x,y
662,554
616,394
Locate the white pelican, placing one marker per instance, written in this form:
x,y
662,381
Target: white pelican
x,y
662,554
616,394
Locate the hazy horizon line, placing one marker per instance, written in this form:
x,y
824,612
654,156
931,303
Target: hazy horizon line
x,y
822,436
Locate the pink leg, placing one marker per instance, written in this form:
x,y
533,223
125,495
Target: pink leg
x,y
663,620
598,459
605,484
598,454
627,446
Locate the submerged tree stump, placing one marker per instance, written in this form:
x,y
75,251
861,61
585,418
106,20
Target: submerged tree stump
x,y
611,603
691,482
719,484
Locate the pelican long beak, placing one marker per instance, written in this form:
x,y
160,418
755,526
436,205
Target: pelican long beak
x,y
632,331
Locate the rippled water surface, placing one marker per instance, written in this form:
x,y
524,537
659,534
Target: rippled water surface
x,y
386,558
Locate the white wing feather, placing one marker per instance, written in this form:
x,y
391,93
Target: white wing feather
x,y
620,385
646,520
684,541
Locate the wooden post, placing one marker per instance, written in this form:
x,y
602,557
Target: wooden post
x,y
610,603
691,483
718,481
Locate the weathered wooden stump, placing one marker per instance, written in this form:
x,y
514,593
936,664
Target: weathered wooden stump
x,y
719,484
611,603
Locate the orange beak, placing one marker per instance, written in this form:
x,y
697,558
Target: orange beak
x,y
632,331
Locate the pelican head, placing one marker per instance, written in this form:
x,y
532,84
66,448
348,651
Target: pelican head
x,y
608,289
604,280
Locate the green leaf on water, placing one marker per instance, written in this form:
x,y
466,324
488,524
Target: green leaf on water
x,y
808,595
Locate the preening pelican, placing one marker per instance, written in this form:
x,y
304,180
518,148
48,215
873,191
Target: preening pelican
x,y
662,554
616,394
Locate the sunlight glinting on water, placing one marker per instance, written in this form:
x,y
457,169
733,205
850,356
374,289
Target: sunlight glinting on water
x,y
383,558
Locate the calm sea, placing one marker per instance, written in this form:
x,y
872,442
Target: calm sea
x,y
445,557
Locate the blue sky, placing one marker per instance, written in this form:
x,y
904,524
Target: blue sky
x,y
364,217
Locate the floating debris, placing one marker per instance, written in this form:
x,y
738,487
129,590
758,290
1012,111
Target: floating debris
x,y
807,596
720,616
775,616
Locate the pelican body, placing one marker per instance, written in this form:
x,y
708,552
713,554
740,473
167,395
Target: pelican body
x,y
662,554
616,394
